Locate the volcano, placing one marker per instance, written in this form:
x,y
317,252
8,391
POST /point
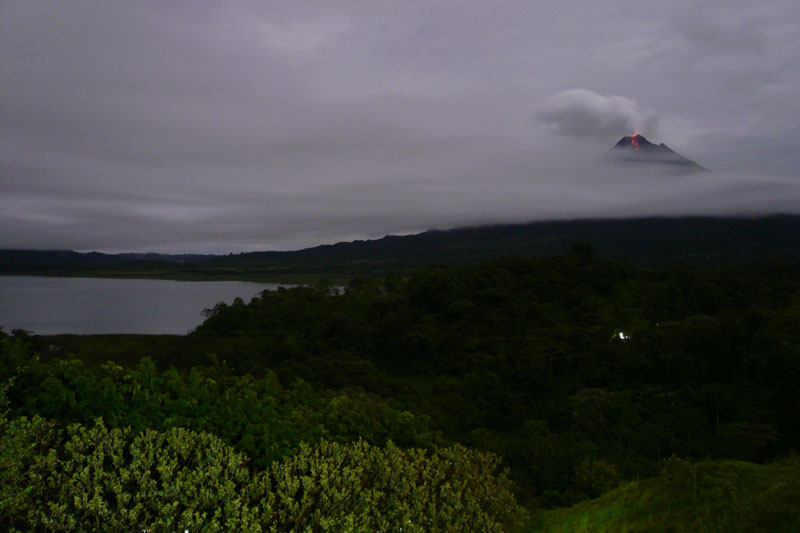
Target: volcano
x,y
635,149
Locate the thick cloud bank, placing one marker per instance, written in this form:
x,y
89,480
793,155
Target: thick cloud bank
x,y
584,113
240,125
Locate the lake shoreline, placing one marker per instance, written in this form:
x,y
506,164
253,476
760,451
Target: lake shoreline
x,y
289,279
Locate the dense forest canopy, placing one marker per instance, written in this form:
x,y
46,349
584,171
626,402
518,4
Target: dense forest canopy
x,y
577,373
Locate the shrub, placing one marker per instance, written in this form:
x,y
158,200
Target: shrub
x,y
359,487
595,477
104,479
108,479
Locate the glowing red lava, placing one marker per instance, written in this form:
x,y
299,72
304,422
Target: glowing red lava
x,y
634,141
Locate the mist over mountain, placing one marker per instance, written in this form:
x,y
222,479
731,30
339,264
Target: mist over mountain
x,y
181,128
696,240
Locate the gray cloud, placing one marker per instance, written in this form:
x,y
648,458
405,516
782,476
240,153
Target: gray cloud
x,y
584,113
239,125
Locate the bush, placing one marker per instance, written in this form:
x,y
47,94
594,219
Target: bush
x,y
109,480
22,442
104,479
595,477
679,474
359,487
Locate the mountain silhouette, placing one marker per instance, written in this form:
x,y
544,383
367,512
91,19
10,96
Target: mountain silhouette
x,y
635,149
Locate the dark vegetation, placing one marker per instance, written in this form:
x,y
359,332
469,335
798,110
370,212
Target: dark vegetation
x,y
671,392
702,496
646,241
35,261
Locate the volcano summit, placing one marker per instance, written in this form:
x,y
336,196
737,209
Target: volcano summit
x,y
635,149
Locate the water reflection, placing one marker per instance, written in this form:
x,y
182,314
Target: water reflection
x,y
48,306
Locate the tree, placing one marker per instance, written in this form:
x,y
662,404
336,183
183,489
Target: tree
x,y
359,487
22,441
173,480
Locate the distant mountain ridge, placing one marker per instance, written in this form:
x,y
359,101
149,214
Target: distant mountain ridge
x,y
45,259
655,236
640,240
637,149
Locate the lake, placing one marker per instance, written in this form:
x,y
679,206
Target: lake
x,y
49,305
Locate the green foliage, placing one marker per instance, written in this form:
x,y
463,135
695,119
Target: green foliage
x,y
104,479
14,355
594,477
521,358
22,442
111,480
258,416
708,365
748,439
731,496
359,487
678,474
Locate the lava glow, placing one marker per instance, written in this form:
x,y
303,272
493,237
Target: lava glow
x,y
634,141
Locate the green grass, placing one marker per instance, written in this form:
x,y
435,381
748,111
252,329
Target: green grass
x,y
731,496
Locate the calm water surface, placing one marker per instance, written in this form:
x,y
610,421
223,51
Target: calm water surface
x,y
49,306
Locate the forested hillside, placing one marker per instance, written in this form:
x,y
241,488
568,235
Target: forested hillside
x,y
549,362
577,372
643,241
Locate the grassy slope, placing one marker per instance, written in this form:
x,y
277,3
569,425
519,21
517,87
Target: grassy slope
x,y
731,496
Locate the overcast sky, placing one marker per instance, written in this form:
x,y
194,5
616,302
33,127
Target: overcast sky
x,y
200,126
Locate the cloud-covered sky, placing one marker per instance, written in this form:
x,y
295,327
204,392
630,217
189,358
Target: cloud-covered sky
x,y
227,126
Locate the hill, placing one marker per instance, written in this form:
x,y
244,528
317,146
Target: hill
x,y
577,371
730,496
639,240
45,260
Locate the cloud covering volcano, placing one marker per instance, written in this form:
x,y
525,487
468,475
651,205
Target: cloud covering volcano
x,y
583,113
216,127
